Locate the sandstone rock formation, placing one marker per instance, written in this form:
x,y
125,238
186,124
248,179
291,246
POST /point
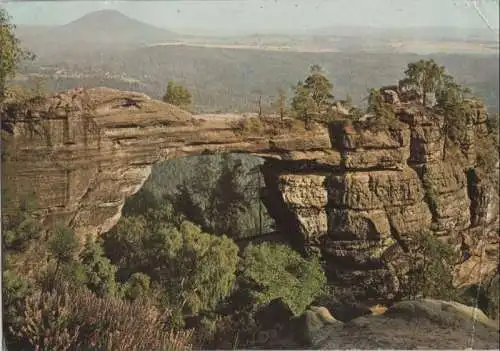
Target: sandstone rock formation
x,y
354,196
417,324
428,324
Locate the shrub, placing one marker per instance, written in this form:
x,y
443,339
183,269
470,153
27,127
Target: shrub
x,y
430,268
486,296
272,271
14,290
76,319
177,95
251,125
226,331
267,126
98,270
492,288
137,286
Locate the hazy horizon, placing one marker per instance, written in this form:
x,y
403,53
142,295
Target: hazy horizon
x,y
269,16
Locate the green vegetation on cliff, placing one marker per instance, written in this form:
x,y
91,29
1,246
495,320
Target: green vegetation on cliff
x,y
177,95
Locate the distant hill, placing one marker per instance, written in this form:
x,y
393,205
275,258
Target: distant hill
x,y
110,26
97,30
434,34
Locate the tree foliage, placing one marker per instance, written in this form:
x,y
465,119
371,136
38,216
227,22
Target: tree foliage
x,y
99,272
192,270
319,87
22,228
138,286
303,104
383,112
227,200
177,95
274,270
424,77
11,53
313,96
217,192
63,245
452,101
430,264
453,105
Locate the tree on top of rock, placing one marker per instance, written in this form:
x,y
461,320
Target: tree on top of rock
x,y
303,104
424,77
177,95
280,104
319,87
313,96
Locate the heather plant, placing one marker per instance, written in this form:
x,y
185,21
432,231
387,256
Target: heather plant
x,y
76,319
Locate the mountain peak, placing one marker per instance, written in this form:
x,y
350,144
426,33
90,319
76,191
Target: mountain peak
x,y
104,16
113,26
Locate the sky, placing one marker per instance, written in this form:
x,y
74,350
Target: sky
x,y
251,16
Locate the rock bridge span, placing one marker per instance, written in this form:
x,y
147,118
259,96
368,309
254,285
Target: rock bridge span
x,y
82,153
354,196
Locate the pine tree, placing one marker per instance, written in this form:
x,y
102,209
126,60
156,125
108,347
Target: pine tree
x,y
313,97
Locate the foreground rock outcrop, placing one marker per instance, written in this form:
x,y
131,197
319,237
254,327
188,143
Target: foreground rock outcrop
x,y
407,325
428,324
353,195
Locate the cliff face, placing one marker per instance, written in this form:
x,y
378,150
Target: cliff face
x,y
354,196
382,189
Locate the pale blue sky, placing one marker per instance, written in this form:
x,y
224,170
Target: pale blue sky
x,y
269,15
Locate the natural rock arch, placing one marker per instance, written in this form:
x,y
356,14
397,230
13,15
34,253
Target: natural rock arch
x,y
82,153
350,193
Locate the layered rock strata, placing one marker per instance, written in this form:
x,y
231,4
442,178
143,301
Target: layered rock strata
x,y
352,195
